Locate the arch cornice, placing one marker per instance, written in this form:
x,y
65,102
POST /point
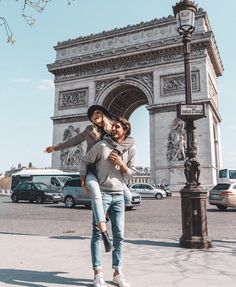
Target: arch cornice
x,y
119,62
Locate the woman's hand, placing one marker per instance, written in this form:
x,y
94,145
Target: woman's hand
x,y
49,149
85,189
83,184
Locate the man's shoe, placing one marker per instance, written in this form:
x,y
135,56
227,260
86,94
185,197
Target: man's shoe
x,y
99,281
106,241
120,280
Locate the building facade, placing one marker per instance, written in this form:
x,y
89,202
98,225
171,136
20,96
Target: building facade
x,y
137,65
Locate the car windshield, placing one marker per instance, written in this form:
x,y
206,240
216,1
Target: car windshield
x,y
75,182
64,178
41,186
221,186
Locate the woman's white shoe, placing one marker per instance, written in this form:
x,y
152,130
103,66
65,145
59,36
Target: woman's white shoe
x,y
99,281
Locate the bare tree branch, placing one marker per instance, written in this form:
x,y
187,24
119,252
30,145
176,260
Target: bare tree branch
x,y
3,22
36,5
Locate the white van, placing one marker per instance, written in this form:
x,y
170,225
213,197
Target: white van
x,y
52,177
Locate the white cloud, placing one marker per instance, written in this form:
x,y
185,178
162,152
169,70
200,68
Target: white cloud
x,y
45,85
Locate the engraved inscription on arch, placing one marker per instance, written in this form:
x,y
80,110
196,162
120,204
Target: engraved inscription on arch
x,y
73,98
175,84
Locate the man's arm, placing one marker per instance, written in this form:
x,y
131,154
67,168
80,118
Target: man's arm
x,y
131,162
128,168
123,147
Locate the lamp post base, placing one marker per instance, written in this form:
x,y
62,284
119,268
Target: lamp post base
x,y
196,242
194,218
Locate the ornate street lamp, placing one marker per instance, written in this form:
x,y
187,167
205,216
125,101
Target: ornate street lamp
x,y
193,197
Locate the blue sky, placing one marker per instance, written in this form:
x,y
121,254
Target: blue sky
x,y
26,87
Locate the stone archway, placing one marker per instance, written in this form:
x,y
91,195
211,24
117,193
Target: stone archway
x,y
123,100
123,96
138,65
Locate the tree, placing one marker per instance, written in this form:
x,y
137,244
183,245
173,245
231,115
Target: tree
x,y
30,165
36,5
5,182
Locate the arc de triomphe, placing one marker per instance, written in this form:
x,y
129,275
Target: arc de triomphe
x,y
137,65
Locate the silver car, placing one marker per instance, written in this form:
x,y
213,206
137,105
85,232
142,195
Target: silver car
x,y
74,195
223,195
147,190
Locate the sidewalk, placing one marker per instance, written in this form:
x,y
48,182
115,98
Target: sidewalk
x,y
40,261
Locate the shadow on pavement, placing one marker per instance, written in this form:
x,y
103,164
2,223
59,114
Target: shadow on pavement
x,y
70,237
153,243
19,233
224,211
32,278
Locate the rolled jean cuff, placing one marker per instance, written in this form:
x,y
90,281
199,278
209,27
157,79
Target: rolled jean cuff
x,y
97,268
116,268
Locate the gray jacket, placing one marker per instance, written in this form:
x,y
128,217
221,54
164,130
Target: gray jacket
x,y
109,176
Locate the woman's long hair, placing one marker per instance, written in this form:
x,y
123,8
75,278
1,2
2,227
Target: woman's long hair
x,y
98,132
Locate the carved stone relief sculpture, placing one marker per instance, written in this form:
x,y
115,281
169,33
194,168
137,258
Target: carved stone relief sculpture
x,y
176,148
175,84
73,98
71,156
212,91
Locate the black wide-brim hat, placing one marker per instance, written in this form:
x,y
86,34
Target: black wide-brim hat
x,y
100,108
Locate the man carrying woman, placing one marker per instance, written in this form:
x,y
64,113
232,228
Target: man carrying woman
x,y
101,128
111,170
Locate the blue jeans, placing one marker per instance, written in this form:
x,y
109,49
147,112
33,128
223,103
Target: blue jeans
x,y
115,204
96,199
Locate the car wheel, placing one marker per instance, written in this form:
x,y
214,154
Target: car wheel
x,y
69,202
129,207
39,199
221,207
158,196
14,198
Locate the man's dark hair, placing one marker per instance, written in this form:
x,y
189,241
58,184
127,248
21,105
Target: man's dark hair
x,y
125,124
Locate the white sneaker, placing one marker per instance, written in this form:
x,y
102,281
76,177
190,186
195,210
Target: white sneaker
x,y
99,281
119,279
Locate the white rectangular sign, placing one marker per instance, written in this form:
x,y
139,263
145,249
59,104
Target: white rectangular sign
x,y
192,110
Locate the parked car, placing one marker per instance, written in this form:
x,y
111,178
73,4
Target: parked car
x,y
165,188
74,195
35,191
223,195
147,190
